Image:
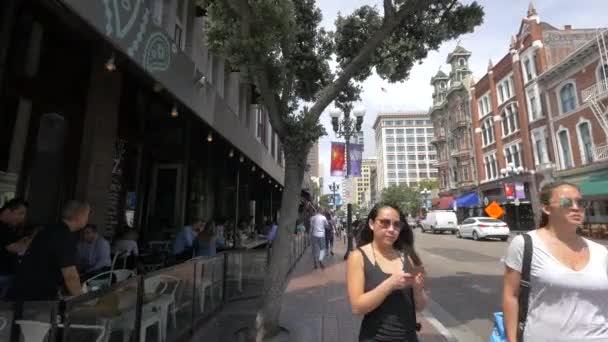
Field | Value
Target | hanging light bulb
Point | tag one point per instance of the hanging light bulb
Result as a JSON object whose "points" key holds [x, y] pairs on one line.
{"points": [[210, 137], [231, 153], [241, 159], [110, 64], [253, 168], [262, 176], [276, 185], [174, 112], [269, 181]]}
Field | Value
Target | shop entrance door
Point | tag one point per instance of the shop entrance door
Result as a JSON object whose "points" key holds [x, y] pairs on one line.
{"points": [[164, 205]]}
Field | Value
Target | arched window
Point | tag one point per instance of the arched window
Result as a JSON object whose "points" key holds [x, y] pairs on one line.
{"points": [[462, 62], [567, 96], [602, 75], [585, 141]]}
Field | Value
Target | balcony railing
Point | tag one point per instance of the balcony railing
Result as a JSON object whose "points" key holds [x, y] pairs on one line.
{"points": [[460, 152], [600, 87], [600, 152]]}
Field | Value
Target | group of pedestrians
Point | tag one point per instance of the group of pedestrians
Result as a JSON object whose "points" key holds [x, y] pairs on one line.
{"points": [[565, 298]]}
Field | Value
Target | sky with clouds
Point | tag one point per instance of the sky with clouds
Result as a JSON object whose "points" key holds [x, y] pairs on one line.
{"points": [[489, 41]]}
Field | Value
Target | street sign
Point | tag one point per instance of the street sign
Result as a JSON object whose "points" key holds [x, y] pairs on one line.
{"points": [[494, 210]]}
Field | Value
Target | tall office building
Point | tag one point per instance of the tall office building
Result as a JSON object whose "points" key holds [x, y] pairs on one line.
{"points": [[403, 148], [313, 161], [363, 183]]}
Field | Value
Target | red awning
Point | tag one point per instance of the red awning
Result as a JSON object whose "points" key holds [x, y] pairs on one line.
{"points": [[444, 202]]}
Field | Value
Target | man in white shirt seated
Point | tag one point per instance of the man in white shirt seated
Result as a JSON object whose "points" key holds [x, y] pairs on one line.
{"points": [[318, 223]]}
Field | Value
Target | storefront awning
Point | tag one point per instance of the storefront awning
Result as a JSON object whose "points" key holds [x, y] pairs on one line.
{"points": [[469, 200], [595, 186], [444, 202]]}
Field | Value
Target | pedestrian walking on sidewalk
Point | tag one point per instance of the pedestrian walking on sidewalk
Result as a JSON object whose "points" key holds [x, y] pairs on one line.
{"points": [[385, 278], [318, 223], [329, 234], [568, 296]]}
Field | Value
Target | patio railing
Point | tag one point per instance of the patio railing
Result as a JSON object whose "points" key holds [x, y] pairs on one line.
{"points": [[165, 305]]}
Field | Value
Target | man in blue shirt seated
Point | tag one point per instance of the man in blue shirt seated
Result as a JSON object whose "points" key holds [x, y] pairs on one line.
{"points": [[182, 246], [93, 253]]}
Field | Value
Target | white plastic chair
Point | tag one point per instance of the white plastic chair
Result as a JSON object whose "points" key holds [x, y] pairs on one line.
{"points": [[105, 278], [235, 268], [34, 331], [205, 281], [166, 286]]}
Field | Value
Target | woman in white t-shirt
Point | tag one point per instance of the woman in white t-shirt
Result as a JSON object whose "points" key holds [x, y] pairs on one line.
{"points": [[569, 275]]}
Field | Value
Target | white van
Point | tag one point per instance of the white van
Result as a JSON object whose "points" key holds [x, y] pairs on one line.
{"points": [[440, 221]]}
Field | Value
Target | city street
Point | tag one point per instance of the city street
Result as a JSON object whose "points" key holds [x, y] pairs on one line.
{"points": [[464, 281]]}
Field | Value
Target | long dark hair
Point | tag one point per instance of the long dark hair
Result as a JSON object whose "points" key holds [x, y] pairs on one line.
{"points": [[545, 198], [405, 240]]}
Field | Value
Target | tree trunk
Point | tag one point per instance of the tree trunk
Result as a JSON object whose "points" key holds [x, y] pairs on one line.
{"points": [[267, 318]]}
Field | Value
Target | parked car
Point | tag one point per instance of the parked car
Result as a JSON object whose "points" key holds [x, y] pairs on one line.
{"points": [[440, 221], [483, 227]]}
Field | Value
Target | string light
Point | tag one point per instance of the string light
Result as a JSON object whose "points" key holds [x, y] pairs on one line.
{"points": [[210, 137], [174, 112], [231, 153]]}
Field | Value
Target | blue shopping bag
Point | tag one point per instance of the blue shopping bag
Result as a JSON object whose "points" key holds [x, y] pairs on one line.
{"points": [[498, 333]]}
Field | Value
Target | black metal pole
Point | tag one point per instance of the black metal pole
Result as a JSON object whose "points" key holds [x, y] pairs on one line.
{"points": [[349, 206]]}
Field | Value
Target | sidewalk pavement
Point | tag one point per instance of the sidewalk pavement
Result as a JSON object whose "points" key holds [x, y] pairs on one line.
{"points": [[315, 307]]}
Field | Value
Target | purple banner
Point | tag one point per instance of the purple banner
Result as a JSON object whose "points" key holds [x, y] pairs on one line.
{"points": [[520, 192], [356, 154]]}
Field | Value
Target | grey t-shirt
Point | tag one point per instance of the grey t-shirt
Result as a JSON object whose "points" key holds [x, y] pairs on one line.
{"points": [[565, 305]]}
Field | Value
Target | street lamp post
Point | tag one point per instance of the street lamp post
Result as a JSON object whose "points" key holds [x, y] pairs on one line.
{"points": [[334, 188], [509, 173], [347, 128], [425, 194]]}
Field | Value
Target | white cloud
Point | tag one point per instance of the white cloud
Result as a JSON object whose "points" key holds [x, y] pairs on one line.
{"points": [[490, 40]]}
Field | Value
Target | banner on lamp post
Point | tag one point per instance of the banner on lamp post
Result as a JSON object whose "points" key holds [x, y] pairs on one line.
{"points": [[520, 191], [509, 190], [355, 152], [338, 161]]}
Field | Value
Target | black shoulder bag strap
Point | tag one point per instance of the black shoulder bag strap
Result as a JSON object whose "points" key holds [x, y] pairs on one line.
{"points": [[524, 287]]}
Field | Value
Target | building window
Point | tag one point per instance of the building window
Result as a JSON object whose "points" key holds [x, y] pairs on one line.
{"points": [[465, 173], [565, 151], [420, 131], [510, 123], [505, 90], [484, 105], [602, 75], [400, 148], [513, 155], [487, 132], [401, 157], [529, 68], [567, 98], [400, 140], [390, 131], [491, 166], [539, 140], [462, 62], [399, 131], [390, 140], [390, 148], [534, 103], [390, 157], [392, 166], [586, 142]]}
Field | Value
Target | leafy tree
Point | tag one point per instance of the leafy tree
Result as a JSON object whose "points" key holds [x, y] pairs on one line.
{"points": [[429, 184], [407, 198], [280, 46]]}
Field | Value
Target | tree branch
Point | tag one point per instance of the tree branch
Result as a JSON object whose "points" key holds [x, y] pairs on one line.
{"points": [[260, 71], [329, 93], [389, 10]]}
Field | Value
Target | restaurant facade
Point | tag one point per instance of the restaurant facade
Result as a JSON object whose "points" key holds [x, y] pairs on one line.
{"points": [[120, 103]]}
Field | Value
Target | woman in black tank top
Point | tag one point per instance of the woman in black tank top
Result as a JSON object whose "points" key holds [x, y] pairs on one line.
{"points": [[385, 278]]}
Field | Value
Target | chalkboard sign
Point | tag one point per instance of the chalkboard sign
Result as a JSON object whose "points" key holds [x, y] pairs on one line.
{"points": [[115, 211]]}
